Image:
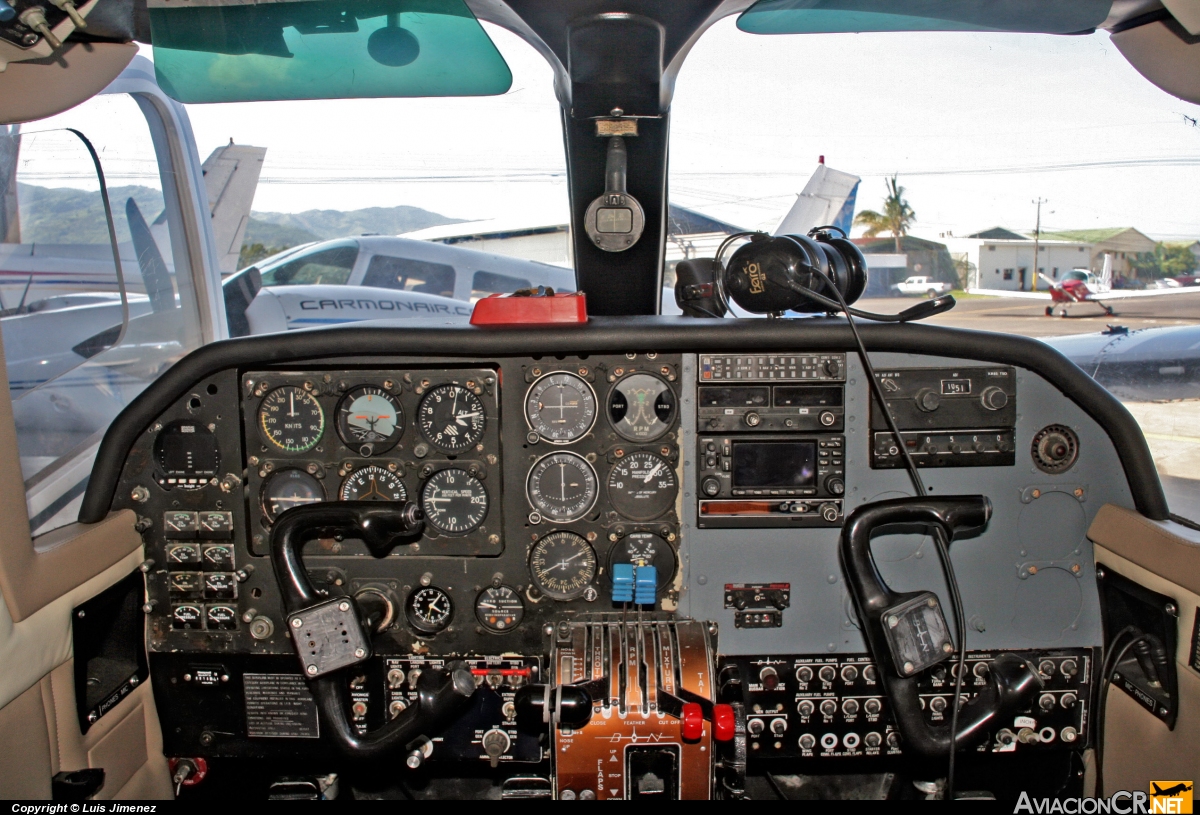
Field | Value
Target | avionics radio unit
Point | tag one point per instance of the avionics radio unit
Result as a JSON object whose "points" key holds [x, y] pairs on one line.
{"points": [[948, 417], [778, 394], [759, 479]]}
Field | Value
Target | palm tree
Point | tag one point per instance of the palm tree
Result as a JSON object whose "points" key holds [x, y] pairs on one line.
{"points": [[897, 215]]}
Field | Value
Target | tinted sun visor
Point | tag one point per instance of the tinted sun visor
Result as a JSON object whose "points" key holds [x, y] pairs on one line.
{"points": [[323, 49], [856, 16]]}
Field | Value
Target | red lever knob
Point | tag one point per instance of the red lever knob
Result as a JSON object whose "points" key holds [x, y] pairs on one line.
{"points": [[693, 721], [723, 724]]}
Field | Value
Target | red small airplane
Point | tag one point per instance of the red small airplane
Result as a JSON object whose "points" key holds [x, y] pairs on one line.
{"points": [[1081, 286]]}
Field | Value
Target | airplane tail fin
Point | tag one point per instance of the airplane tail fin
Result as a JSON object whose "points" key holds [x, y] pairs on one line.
{"points": [[1157, 789], [827, 198], [155, 274], [1106, 272], [230, 178]]}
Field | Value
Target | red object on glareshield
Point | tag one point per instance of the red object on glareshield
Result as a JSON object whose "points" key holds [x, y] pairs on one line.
{"points": [[553, 309]]}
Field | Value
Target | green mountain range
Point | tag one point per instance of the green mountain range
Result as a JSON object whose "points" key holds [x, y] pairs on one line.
{"points": [[71, 215]]}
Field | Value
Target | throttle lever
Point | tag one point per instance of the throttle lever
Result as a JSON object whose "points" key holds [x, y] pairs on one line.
{"points": [[330, 635], [907, 632]]}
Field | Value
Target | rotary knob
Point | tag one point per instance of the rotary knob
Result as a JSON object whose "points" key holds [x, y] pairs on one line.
{"points": [[928, 400], [752, 419], [829, 512], [827, 418], [710, 486], [993, 398], [833, 367], [835, 486]]}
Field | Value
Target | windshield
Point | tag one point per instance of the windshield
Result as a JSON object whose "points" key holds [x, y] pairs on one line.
{"points": [[1062, 210]]}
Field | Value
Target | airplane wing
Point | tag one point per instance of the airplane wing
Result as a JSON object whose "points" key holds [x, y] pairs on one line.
{"points": [[1128, 294], [827, 198], [1025, 295]]}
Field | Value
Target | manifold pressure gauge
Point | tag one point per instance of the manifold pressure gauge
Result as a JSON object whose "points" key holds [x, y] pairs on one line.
{"points": [[562, 565], [561, 407], [562, 487], [369, 420], [429, 609], [642, 486]]}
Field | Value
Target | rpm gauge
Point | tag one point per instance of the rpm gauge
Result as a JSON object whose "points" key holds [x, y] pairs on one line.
{"points": [[369, 420], [562, 565], [289, 488], [561, 407], [562, 487], [499, 608], [642, 486], [646, 549], [641, 407], [429, 609], [291, 418], [373, 483], [454, 501], [451, 418]]}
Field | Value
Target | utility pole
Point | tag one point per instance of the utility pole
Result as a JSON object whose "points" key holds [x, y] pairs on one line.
{"points": [[1037, 239]]}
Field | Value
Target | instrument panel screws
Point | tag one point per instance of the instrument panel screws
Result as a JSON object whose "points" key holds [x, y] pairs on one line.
{"points": [[30, 39], [312, 468], [140, 494], [619, 371], [947, 647], [1075, 568], [388, 385], [493, 540], [1036, 493], [426, 578], [297, 622], [612, 536], [1033, 570], [893, 621], [591, 536], [312, 669], [664, 370], [343, 606], [359, 653], [619, 453], [1100, 573], [908, 667], [1079, 492], [590, 594], [1171, 609], [671, 537], [931, 603], [532, 438], [157, 427], [583, 371]]}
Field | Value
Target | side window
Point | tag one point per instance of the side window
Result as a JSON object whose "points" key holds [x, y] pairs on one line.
{"points": [[410, 275], [485, 283], [330, 266], [86, 325]]}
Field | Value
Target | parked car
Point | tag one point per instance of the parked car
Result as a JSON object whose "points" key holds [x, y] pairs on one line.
{"points": [[920, 285]]}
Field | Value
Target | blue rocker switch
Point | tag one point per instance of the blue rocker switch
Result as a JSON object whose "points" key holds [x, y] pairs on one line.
{"points": [[622, 581]]}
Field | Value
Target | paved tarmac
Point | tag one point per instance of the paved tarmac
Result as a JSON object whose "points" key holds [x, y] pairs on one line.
{"points": [[1028, 317], [1169, 425]]}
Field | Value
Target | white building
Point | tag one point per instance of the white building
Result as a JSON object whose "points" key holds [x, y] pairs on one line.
{"points": [[1002, 259]]}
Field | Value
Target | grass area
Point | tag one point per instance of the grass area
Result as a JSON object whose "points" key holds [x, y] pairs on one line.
{"points": [[960, 294]]}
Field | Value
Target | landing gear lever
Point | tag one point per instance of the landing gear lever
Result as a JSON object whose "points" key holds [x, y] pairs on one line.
{"points": [[907, 632], [332, 635]]}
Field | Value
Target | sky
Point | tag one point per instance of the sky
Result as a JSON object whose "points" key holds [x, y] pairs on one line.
{"points": [[976, 126]]}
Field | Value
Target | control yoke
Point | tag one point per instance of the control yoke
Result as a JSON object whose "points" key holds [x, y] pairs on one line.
{"points": [[332, 635], [907, 632]]}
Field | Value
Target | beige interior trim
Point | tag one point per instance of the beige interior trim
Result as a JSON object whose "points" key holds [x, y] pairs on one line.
{"points": [[35, 646], [25, 756], [40, 88], [1168, 549], [1163, 58], [1138, 748]]}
